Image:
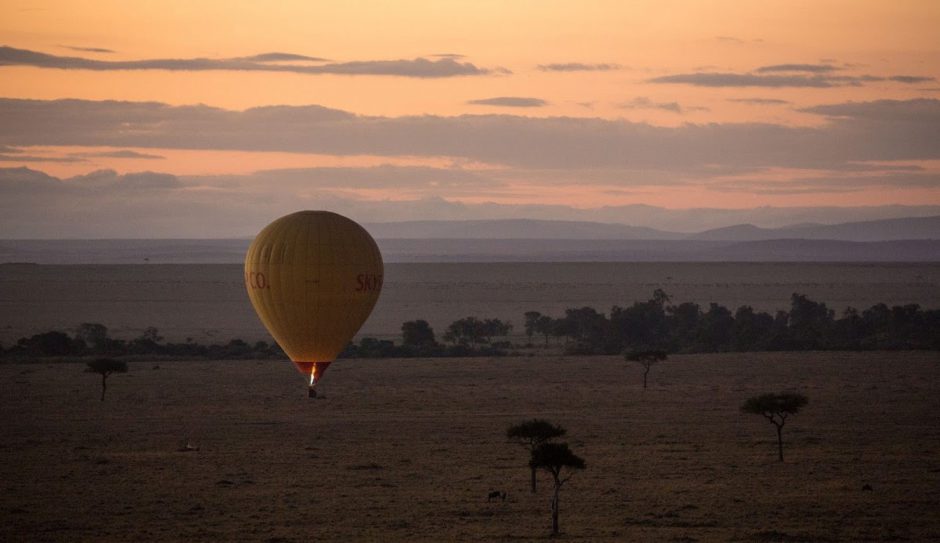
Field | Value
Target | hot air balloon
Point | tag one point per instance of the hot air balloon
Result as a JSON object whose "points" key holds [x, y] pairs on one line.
{"points": [[313, 277]]}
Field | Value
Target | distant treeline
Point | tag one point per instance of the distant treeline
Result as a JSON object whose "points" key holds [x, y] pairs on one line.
{"points": [[92, 339], [653, 325], [469, 337], [688, 328]]}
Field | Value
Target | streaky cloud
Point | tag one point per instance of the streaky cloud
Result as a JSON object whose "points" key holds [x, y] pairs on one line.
{"points": [[911, 79], [121, 153], [279, 57], [777, 80], [154, 205], [642, 102], [728, 79], [417, 67], [760, 101], [862, 131], [809, 68], [20, 157], [577, 67], [88, 49], [509, 101], [919, 110]]}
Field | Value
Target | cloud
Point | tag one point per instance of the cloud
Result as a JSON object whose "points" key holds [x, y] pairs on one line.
{"points": [[717, 79], [759, 101], [122, 153], [280, 57], [863, 131], [32, 158], [110, 179], [920, 111], [910, 79], [790, 79], [106, 204], [509, 101], [15, 154], [87, 49], [418, 67], [642, 102], [453, 181], [809, 68], [577, 67], [832, 184]]}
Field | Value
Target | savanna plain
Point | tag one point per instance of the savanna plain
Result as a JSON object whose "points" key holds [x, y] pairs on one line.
{"points": [[408, 450]]}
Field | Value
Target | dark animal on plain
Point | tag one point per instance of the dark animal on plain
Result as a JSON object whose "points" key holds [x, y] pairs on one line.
{"points": [[868, 488], [496, 495]]}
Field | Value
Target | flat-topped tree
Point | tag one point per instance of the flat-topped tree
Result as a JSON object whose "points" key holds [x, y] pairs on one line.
{"points": [[105, 367], [531, 434], [646, 359], [776, 408], [553, 458]]}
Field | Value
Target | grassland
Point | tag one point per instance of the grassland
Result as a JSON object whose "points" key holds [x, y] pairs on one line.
{"points": [[407, 450]]}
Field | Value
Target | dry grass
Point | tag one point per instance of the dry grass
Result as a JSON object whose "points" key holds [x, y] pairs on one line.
{"points": [[407, 451]]}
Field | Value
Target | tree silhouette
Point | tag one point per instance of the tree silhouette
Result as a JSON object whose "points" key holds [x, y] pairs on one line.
{"points": [[417, 334], [554, 458], [94, 335], [105, 367], [531, 323], [646, 359], [775, 408], [531, 434]]}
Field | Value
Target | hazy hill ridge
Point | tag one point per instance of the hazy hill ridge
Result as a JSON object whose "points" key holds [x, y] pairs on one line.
{"points": [[881, 230], [514, 229], [525, 240], [912, 228]]}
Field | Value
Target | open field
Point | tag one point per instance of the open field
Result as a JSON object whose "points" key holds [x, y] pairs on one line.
{"points": [[406, 450], [208, 302]]}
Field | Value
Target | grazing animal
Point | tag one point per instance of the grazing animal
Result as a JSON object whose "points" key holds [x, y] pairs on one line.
{"points": [[868, 488], [496, 495]]}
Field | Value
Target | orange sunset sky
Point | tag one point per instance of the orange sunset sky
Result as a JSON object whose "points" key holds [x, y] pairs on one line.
{"points": [[677, 104]]}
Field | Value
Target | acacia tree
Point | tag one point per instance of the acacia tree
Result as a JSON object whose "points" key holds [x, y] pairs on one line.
{"points": [[646, 359], [554, 458], [776, 408], [531, 434], [105, 367]]}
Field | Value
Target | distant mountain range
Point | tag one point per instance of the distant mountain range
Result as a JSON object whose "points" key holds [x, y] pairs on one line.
{"points": [[525, 240], [514, 229], [913, 228]]}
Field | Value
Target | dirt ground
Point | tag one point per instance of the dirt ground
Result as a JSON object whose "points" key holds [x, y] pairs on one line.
{"points": [[407, 450]]}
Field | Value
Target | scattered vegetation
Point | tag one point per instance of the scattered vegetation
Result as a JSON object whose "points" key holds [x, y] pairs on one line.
{"points": [[554, 458], [646, 359], [473, 331], [656, 324], [531, 434], [653, 326], [105, 367], [776, 408]]}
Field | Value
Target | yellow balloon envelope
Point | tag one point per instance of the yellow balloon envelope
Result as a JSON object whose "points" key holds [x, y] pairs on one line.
{"points": [[313, 277]]}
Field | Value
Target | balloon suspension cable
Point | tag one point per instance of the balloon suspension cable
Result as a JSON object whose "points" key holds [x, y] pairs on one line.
{"points": [[311, 391]]}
